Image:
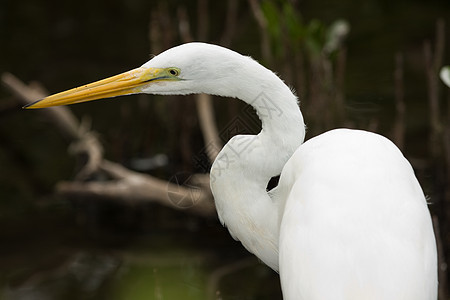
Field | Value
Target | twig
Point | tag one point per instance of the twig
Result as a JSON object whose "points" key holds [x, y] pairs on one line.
{"points": [[154, 33], [202, 20], [82, 140], [261, 20], [184, 27], [341, 64], [230, 23], [60, 116], [205, 111], [442, 265], [205, 108], [433, 62], [400, 108], [433, 99], [132, 187]]}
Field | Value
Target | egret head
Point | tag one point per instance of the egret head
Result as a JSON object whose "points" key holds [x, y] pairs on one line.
{"points": [[186, 69]]}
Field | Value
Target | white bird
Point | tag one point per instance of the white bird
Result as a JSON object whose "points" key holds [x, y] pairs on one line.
{"points": [[348, 219]]}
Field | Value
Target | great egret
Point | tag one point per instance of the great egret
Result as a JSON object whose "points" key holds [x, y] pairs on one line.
{"points": [[348, 219]]}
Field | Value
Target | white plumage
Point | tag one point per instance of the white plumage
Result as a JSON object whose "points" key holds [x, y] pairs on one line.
{"points": [[348, 219], [360, 221]]}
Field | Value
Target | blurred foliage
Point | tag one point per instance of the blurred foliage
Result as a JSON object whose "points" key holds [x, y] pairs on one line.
{"points": [[285, 18]]}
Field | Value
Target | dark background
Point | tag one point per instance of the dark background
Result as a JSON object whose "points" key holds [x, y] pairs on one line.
{"points": [[53, 248]]}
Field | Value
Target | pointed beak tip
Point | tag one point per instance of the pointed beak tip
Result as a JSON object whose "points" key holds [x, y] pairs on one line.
{"points": [[30, 105]]}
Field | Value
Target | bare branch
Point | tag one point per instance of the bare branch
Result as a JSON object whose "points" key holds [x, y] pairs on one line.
{"points": [[442, 265], [60, 116], [400, 107], [341, 64], [202, 20], [261, 20], [208, 126], [230, 23], [433, 62], [184, 26], [205, 108], [132, 188]]}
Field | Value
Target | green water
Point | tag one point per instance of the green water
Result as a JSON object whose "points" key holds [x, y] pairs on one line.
{"points": [[48, 256]]}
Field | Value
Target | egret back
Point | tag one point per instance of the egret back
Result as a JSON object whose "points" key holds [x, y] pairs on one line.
{"points": [[355, 223]]}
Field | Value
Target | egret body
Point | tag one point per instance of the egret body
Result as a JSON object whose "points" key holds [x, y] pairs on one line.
{"points": [[348, 219]]}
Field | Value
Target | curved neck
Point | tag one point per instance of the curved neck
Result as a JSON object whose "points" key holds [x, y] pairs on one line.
{"points": [[243, 168]]}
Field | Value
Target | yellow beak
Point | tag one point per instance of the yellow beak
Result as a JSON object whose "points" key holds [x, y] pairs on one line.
{"points": [[130, 82]]}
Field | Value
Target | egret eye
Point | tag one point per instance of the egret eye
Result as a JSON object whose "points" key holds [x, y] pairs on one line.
{"points": [[174, 72]]}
